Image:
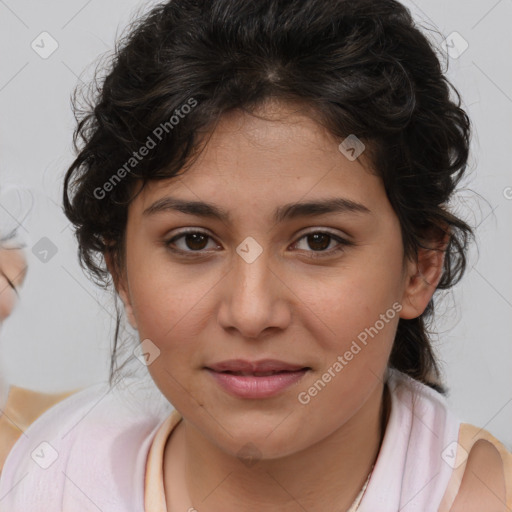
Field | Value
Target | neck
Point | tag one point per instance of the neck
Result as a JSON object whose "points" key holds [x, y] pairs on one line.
{"points": [[326, 476]]}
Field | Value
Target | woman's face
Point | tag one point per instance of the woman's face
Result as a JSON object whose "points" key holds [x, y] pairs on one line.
{"points": [[270, 280]]}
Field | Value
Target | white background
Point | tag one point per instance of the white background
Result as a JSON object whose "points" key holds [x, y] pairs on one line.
{"points": [[59, 336]]}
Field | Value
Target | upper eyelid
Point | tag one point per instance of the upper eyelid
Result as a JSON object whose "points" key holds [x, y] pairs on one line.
{"points": [[310, 230]]}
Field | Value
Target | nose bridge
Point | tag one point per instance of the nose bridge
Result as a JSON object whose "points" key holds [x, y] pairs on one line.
{"points": [[252, 301], [251, 271]]}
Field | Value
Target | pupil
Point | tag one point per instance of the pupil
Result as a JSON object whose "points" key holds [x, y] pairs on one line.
{"points": [[195, 237], [316, 237]]}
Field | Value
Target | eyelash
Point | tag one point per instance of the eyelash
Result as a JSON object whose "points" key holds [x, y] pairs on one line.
{"points": [[342, 243]]}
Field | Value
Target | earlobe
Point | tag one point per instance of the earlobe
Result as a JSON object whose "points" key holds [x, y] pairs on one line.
{"points": [[423, 276], [122, 289]]}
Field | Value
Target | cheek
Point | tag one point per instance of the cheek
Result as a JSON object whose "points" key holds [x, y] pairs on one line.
{"points": [[356, 315], [169, 308], [157, 289], [350, 300], [169, 303], [362, 320]]}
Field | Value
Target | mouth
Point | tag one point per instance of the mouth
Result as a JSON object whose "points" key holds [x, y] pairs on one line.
{"points": [[256, 384], [262, 374], [261, 367]]}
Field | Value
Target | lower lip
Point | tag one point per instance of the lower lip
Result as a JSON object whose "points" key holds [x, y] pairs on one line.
{"points": [[250, 386]]}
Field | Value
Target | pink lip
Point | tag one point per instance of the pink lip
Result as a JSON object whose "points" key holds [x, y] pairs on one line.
{"points": [[246, 383]]}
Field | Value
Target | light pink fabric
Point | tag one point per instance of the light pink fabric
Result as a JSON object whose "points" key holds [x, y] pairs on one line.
{"points": [[410, 474], [103, 440]]}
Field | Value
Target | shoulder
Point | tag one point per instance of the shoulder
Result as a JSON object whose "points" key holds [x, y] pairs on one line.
{"points": [[482, 473], [90, 448], [479, 465], [464, 468], [22, 408]]}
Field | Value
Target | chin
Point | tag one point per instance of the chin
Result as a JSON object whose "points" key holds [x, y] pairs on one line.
{"points": [[258, 444]]}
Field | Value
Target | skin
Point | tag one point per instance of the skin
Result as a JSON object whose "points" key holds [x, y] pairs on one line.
{"points": [[479, 481], [285, 305], [483, 484], [13, 269]]}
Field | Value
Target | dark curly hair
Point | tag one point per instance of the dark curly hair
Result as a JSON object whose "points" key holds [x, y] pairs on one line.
{"points": [[359, 66]]}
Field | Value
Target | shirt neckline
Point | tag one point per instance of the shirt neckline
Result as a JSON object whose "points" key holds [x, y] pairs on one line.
{"points": [[154, 492]]}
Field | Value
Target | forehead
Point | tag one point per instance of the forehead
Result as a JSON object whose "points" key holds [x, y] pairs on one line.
{"points": [[277, 154]]}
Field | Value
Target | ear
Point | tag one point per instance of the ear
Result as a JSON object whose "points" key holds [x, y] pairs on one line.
{"points": [[121, 286], [423, 276]]}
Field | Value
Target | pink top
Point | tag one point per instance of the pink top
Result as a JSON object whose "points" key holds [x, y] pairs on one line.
{"points": [[103, 450], [154, 500]]}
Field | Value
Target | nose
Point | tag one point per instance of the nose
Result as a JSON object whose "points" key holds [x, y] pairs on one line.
{"points": [[255, 298]]}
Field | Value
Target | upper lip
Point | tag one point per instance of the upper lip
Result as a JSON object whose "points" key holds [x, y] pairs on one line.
{"points": [[264, 365]]}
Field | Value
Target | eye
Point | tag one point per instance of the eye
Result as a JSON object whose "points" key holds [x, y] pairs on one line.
{"points": [[193, 241], [189, 242], [319, 241]]}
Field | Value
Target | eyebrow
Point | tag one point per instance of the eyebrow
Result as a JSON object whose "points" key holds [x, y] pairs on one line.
{"points": [[285, 212]]}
